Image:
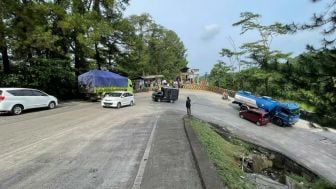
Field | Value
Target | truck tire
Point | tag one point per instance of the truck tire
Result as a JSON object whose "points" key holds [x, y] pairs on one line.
{"points": [[243, 107]]}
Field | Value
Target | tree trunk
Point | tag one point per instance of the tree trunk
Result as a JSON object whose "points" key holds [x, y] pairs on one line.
{"points": [[5, 59], [78, 64], [97, 56]]}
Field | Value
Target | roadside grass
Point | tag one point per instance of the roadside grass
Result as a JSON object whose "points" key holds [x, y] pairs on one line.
{"points": [[223, 154], [318, 184]]}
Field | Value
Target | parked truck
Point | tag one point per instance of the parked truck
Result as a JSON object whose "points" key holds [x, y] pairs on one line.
{"points": [[95, 83], [279, 113]]}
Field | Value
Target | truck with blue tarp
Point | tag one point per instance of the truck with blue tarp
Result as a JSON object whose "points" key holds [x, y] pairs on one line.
{"points": [[95, 83], [280, 113]]}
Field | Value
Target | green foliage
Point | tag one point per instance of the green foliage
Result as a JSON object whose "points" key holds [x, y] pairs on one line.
{"points": [[317, 184], [55, 77], [259, 52], [37, 37], [323, 184], [223, 154], [154, 49], [308, 79], [219, 75], [324, 20]]}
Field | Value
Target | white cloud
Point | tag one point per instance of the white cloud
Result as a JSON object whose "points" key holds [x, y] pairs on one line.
{"points": [[210, 31]]}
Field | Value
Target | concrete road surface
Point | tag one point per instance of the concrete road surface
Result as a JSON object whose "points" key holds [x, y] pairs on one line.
{"points": [[81, 145]]}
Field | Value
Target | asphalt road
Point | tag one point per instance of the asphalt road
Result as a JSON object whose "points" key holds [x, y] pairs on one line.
{"points": [[313, 148], [81, 145]]}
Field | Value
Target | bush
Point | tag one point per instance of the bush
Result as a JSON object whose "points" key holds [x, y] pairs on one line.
{"points": [[55, 77]]}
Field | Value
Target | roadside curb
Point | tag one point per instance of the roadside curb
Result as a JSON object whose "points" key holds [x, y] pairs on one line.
{"points": [[204, 166]]}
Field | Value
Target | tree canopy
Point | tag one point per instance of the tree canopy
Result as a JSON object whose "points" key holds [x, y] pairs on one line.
{"points": [[37, 36], [309, 79]]}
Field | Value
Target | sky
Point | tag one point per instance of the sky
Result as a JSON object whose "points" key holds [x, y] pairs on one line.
{"points": [[205, 27]]}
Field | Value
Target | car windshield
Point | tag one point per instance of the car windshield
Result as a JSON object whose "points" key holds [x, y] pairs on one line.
{"points": [[114, 94], [294, 111], [266, 116]]}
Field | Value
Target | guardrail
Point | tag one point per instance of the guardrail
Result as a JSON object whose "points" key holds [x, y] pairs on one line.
{"points": [[218, 90]]}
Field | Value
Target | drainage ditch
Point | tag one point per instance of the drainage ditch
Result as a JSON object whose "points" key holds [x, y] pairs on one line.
{"points": [[267, 168]]}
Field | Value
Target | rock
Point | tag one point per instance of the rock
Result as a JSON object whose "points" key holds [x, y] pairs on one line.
{"points": [[260, 163], [271, 156]]}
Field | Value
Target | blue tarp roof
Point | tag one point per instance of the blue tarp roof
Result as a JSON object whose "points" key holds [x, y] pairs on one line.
{"points": [[99, 78]]}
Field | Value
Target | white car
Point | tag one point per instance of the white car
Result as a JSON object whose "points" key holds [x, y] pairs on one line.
{"points": [[15, 100], [118, 99]]}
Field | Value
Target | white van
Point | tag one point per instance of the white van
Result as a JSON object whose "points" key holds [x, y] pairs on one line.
{"points": [[15, 100], [118, 99]]}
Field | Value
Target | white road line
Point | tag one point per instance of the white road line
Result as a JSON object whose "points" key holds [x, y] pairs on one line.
{"points": [[141, 171]]}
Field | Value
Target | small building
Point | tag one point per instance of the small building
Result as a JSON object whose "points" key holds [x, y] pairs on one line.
{"points": [[145, 83], [189, 76], [152, 80], [138, 83]]}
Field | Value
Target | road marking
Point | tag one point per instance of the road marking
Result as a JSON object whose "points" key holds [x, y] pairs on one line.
{"points": [[141, 171]]}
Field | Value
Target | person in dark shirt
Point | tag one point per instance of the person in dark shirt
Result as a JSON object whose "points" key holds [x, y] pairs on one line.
{"points": [[188, 105]]}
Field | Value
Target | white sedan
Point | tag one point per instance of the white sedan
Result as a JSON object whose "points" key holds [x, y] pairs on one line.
{"points": [[118, 99]]}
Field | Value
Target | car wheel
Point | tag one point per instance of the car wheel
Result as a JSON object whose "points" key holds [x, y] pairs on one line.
{"points": [[279, 122], [159, 100], [131, 104], [171, 101], [119, 105], [52, 105], [241, 116], [258, 123], [17, 110]]}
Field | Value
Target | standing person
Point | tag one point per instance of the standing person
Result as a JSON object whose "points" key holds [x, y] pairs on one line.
{"points": [[188, 105]]}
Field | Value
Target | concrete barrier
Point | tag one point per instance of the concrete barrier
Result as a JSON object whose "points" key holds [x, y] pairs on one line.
{"points": [[214, 89]]}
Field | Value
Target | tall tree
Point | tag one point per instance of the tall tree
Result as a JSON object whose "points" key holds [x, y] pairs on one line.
{"points": [[219, 75], [155, 49], [325, 20], [260, 51], [4, 14]]}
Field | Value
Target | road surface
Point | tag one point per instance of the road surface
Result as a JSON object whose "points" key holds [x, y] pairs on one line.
{"points": [[81, 145]]}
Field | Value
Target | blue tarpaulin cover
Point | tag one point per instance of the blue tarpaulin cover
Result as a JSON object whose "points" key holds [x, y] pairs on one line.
{"points": [[100, 78]]}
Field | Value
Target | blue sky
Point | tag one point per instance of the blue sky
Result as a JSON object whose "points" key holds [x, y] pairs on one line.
{"points": [[206, 26]]}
